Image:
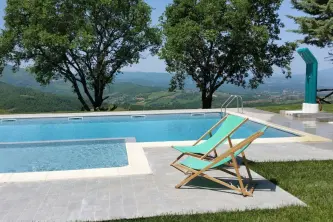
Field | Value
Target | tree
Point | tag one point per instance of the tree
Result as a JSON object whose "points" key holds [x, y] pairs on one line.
{"points": [[223, 41], [84, 42], [317, 26]]}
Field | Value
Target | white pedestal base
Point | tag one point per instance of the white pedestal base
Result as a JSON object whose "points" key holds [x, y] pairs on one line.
{"points": [[310, 108]]}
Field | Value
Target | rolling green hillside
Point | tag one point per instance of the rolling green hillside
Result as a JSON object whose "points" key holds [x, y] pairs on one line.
{"points": [[126, 96], [276, 84], [24, 100], [127, 93], [135, 97], [24, 79]]}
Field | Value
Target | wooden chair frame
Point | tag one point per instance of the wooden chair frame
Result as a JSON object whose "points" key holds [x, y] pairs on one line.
{"points": [[246, 190]]}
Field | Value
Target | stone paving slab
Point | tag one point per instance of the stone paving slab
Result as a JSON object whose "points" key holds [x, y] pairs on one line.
{"points": [[290, 152], [306, 125], [325, 146], [132, 196]]}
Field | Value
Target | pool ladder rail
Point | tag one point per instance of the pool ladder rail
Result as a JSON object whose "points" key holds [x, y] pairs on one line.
{"points": [[232, 98]]}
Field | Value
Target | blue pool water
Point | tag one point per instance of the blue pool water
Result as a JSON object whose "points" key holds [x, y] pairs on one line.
{"points": [[151, 128], [56, 156]]}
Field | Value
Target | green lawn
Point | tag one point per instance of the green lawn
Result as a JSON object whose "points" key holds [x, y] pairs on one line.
{"points": [[310, 181], [277, 108]]}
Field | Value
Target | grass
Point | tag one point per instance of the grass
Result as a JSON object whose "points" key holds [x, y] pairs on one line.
{"points": [[277, 108], [2, 111], [310, 181]]}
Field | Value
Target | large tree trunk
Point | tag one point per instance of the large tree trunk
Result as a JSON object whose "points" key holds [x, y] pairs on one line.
{"points": [[80, 97], [98, 102], [206, 100], [98, 94], [84, 104]]}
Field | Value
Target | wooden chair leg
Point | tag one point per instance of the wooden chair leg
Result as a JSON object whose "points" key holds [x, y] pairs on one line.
{"points": [[195, 174], [188, 179], [215, 152], [239, 177], [230, 164], [179, 167], [200, 173], [221, 182], [246, 163], [178, 158]]}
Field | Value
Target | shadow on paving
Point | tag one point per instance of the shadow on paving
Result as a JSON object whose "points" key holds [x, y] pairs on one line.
{"points": [[205, 184]]}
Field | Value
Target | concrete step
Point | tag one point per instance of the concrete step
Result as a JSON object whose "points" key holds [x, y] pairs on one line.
{"points": [[320, 117]]}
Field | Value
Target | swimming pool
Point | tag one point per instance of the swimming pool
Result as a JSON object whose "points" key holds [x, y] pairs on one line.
{"points": [[145, 128], [60, 156]]}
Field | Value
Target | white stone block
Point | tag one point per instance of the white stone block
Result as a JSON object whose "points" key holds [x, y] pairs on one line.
{"points": [[310, 108]]}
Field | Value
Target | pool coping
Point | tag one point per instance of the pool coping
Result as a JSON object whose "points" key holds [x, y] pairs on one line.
{"points": [[138, 163]]}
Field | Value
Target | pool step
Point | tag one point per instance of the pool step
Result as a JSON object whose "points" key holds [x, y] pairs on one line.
{"points": [[138, 116], [8, 120], [198, 114], [75, 118]]}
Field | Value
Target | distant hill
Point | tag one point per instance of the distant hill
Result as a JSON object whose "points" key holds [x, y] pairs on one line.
{"points": [[24, 79], [126, 95], [276, 83], [24, 100], [160, 81]]}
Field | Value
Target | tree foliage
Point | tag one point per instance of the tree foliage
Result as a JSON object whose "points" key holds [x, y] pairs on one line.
{"points": [[84, 42], [317, 25], [223, 41]]}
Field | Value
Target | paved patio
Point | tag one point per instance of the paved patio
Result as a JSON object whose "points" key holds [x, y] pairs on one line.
{"points": [[289, 152], [309, 125], [149, 195], [132, 196]]}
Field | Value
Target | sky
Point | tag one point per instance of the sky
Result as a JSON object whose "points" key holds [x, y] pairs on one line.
{"points": [[153, 64]]}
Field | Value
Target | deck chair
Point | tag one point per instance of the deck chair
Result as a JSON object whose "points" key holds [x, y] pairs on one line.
{"points": [[229, 124], [196, 166]]}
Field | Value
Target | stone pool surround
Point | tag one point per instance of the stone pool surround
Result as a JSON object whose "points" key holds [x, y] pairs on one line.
{"points": [[138, 163]]}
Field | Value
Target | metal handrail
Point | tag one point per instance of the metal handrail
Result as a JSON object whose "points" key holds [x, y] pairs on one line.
{"points": [[230, 99]]}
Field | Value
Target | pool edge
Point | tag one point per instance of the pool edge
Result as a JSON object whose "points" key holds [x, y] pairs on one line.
{"points": [[137, 165], [302, 136]]}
